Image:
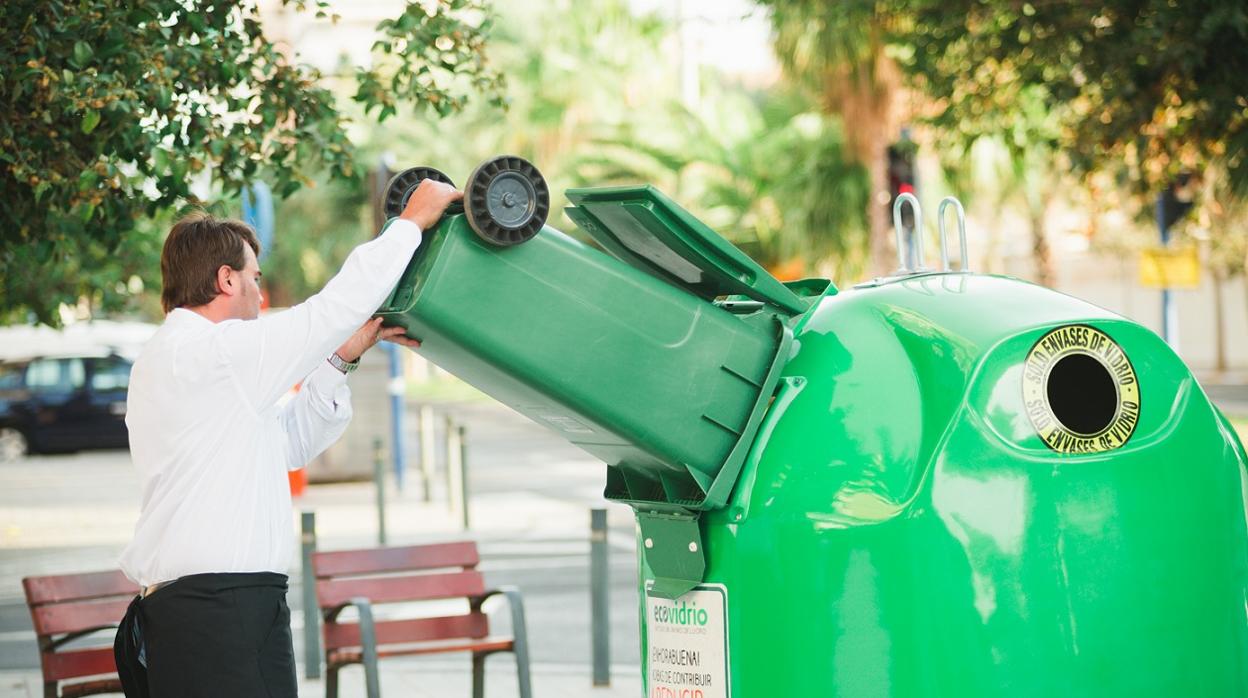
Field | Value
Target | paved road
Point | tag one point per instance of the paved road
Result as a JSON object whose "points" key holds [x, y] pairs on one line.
{"points": [[531, 496]]}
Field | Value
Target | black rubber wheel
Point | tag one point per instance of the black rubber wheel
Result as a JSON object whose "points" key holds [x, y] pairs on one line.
{"points": [[506, 200], [401, 186]]}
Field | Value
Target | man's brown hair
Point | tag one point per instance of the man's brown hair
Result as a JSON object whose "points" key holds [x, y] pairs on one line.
{"points": [[197, 246]]}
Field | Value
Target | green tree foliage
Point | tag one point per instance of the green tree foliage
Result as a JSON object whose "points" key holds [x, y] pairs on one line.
{"points": [[1150, 87], [839, 50], [565, 80], [773, 176], [1014, 164], [594, 99], [1141, 89], [575, 72], [116, 113], [568, 82]]}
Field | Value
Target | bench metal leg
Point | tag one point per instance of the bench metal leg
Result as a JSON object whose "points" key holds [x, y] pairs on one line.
{"points": [[368, 642], [522, 669], [331, 682], [478, 675], [520, 635]]}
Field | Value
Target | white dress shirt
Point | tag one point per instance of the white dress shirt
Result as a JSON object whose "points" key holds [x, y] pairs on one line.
{"points": [[209, 439]]}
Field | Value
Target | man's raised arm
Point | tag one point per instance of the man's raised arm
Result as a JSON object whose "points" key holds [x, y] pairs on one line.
{"points": [[273, 353]]}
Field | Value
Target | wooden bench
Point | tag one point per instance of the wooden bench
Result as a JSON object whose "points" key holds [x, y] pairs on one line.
{"points": [[364, 579], [70, 606]]}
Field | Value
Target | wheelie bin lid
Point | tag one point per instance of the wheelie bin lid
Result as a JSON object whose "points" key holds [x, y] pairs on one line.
{"points": [[642, 227]]}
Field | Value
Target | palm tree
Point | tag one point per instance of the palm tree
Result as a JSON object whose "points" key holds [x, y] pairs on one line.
{"points": [[838, 50], [773, 177]]}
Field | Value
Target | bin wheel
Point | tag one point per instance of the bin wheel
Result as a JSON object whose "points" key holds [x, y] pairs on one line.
{"points": [[506, 200], [400, 187]]}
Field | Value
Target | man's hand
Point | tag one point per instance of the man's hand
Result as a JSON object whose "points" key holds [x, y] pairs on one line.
{"points": [[428, 202], [367, 337]]}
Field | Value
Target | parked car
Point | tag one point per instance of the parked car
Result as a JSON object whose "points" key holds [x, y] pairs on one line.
{"points": [[62, 403]]}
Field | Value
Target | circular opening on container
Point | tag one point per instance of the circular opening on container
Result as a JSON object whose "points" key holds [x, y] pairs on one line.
{"points": [[1082, 394]]}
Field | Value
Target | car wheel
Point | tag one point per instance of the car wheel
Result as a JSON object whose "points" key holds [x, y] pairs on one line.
{"points": [[13, 444]]}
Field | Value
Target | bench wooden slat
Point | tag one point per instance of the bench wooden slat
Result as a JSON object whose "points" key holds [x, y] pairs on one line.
{"points": [[71, 664], [414, 557], [77, 587], [472, 625], [54, 619], [90, 688], [338, 658], [410, 574], [335, 592]]}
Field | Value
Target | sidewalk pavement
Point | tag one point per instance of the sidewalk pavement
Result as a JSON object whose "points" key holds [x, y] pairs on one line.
{"points": [[530, 517], [507, 526], [428, 678]]}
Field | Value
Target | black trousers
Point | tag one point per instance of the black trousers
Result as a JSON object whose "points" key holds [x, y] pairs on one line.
{"points": [[209, 635]]}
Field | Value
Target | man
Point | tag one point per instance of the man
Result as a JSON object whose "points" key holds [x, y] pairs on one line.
{"points": [[212, 446]]}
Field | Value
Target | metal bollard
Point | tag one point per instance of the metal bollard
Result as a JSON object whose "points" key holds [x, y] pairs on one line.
{"points": [[379, 479], [599, 615], [463, 476], [397, 389], [311, 614], [455, 472], [427, 453]]}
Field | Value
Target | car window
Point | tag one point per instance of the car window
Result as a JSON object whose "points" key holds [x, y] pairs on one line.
{"points": [[110, 374], [55, 375], [11, 376]]}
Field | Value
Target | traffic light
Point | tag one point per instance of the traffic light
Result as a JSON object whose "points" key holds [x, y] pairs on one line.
{"points": [[901, 175]]}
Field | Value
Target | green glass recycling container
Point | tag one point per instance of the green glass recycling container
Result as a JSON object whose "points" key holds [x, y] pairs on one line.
{"points": [[931, 485]]}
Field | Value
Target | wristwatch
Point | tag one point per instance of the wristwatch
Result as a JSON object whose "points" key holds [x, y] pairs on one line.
{"points": [[344, 366]]}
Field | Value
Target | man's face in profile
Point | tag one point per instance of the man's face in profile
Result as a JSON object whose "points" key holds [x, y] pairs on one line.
{"points": [[249, 295]]}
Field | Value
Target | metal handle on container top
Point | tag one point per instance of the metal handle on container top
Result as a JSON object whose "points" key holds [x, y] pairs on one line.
{"points": [[944, 245], [918, 231]]}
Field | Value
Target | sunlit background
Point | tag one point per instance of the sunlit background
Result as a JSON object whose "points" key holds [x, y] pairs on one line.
{"points": [[694, 97]]}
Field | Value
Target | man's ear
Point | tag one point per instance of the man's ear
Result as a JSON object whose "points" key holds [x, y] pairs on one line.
{"points": [[225, 280]]}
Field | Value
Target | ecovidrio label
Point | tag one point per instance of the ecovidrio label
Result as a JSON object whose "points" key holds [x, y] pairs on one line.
{"points": [[687, 644]]}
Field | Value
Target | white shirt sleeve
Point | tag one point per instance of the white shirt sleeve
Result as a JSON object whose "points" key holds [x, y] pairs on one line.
{"points": [[269, 355], [317, 416]]}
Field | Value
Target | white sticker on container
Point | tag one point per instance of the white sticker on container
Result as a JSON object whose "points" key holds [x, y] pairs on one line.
{"points": [[687, 644], [562, 422]]}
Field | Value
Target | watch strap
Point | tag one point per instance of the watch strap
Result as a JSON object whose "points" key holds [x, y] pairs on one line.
{"points": [[342, 365]]}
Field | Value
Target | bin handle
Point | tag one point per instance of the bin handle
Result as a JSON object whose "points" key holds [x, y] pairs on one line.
{"points": [[918, 231], [960, 213]]}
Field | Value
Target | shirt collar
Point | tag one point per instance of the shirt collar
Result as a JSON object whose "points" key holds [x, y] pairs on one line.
{"points": [[182, 316]]}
